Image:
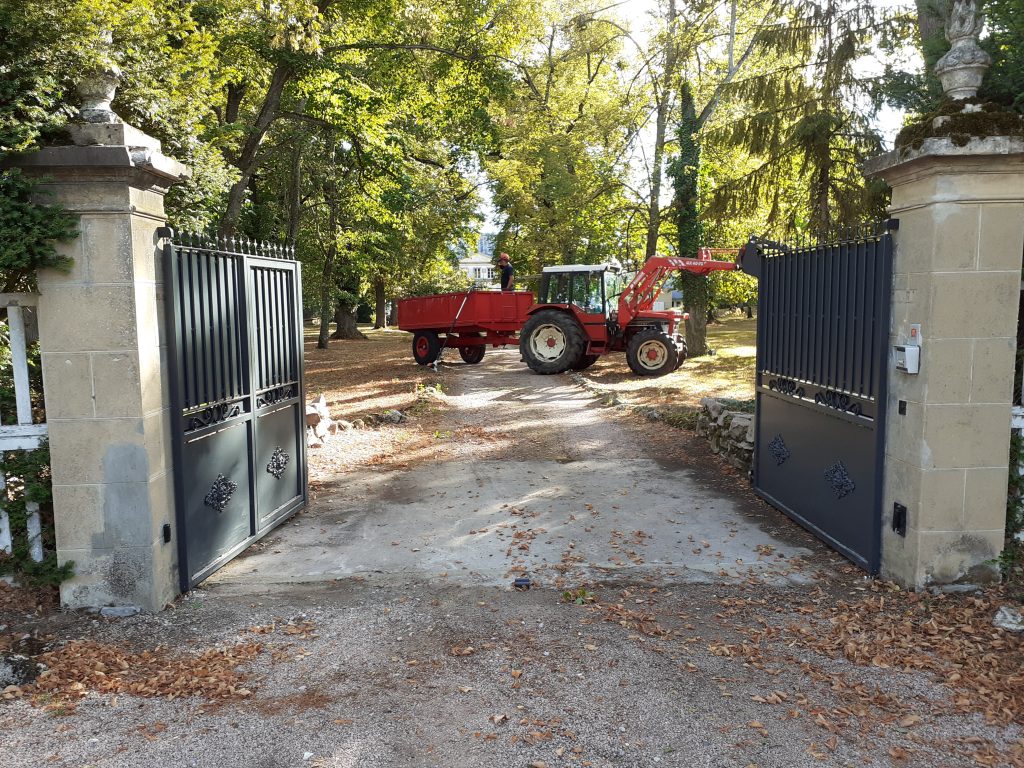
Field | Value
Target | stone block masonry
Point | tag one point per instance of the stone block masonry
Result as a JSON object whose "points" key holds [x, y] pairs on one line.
{"points": [[730, 432], [103, 351], [956, 273]]}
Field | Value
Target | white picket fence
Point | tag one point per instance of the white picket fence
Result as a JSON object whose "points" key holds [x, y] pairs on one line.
{"points": [[25, 435]]}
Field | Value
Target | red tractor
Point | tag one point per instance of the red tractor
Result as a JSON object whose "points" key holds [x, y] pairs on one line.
{"points": [[577, 319], [582, 312]]}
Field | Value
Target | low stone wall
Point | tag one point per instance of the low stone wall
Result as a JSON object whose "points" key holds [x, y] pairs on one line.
{"points": [[730, 432]]}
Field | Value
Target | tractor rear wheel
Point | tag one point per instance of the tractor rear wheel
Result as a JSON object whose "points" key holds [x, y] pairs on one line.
{"points": [[552, 341], [426, 346], [585, 362], [652, 353]]}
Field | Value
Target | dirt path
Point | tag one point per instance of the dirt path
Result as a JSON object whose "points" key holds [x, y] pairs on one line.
{"points": [[673, 619], [527, 475]]}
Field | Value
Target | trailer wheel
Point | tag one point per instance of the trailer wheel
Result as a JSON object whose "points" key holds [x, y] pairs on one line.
{"points": [[472, 355], [426, 346], [652, 353], [552, 341], [585, 362]]}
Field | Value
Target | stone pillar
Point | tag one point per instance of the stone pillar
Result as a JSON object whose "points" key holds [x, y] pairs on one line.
{"points": [[957, 273], [104, 367]]}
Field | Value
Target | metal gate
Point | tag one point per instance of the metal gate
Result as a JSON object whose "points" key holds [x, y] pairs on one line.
{"points": [[822, 351], [235, 351]]}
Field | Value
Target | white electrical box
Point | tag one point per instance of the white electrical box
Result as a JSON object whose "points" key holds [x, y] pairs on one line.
{"points": [[908, 359]]}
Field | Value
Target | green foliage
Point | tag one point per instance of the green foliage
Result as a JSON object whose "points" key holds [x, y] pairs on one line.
{"points": [[31, 87], [1015, 487], [731, 289], [566, 128], [1004, 82], [27, 476], [28, 480], [799, 121], [991, 120], [28, 230], [684, 171], [580, 596]]}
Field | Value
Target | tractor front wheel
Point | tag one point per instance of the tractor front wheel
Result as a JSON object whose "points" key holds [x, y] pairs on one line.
{"points": [[682, 355], [426, 346], [552, 341], [652, 353]]}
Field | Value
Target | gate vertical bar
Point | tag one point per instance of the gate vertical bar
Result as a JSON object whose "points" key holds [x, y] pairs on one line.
{"points": [[173, 278]]}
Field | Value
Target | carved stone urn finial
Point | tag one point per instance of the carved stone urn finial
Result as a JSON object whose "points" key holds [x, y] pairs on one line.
{"points": [[963, 66], [97, 88]]}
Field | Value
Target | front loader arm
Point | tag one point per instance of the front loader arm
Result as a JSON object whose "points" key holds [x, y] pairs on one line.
{"points": [[645, 287]]}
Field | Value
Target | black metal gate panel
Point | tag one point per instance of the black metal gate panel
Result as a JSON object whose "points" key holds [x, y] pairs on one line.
{"points": [[238, 418], [822, 351]]}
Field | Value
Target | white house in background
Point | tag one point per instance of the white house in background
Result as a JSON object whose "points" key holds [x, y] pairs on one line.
{"points": [[479, 265]]}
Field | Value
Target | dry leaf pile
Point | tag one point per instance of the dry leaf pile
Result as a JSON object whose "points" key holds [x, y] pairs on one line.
{"points": [[637, 621], [83, 666], [951, 637]]}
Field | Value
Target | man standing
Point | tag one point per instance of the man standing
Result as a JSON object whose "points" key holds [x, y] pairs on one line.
{"points": [[506, 273]]}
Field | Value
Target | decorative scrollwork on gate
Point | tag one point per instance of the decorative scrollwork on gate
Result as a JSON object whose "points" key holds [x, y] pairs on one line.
{"points": [[277, 395], [786, 387], [840, 480], [838, 401], [220, 493], [278, 463], [214, 414], [778, 448]]}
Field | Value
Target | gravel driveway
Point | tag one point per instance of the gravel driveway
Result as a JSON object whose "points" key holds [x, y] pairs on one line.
{"points": [[672, 618]]}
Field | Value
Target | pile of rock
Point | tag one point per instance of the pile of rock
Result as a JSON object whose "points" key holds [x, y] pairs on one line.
{"points": [[730, 432], [319, 424]]}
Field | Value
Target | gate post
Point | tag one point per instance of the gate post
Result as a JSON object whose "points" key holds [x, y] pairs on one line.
{"points": [[105, 377], [956, 273]]}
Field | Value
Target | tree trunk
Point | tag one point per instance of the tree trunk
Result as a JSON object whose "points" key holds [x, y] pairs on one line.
{"points": [[654, 206], [345, 317], [295, 184], [931, 22], [697, 303], [750, 311], [327, 278], [380, 318], [393, 317], [697, 324], [246, 163], [664, 104]]}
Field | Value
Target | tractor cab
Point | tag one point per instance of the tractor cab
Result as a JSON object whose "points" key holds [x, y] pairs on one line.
{"points": [[584, 311], [592, 288]]}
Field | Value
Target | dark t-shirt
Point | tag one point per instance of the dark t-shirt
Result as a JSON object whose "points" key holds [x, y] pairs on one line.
{"points": [[506, 277]]}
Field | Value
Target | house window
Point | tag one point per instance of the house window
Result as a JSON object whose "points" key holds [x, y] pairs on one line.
{"points": [[490, 274], [677, 303], [476, 272]]}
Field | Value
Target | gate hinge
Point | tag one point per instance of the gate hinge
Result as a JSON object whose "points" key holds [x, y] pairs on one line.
{"points": [[891, 225], [165, 233]]}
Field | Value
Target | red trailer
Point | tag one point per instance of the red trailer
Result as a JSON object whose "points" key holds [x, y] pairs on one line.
{"points": [[468, 321]]}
